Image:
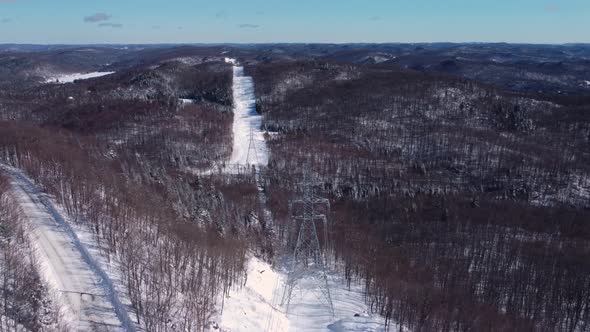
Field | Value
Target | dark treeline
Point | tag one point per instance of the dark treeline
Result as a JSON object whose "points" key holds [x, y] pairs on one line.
{"points": [[460, 207], [440, 263]]}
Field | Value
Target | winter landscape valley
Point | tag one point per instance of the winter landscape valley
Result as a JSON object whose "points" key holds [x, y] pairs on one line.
{"points": [[293, 170]]}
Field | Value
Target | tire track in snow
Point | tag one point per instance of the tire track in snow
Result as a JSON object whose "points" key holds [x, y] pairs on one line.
{"points": [[86, 288]]}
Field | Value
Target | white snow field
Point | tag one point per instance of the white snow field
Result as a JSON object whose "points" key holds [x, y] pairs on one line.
{"points": [[249, 147], [70, 78], [84, 289], [257, 306]]}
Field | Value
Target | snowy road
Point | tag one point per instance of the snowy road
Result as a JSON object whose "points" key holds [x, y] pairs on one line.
{"points": [[83, 287]]}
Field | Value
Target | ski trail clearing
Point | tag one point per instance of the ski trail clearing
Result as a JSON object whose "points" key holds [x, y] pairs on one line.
{"points": [[249, 147], [83, 287]]}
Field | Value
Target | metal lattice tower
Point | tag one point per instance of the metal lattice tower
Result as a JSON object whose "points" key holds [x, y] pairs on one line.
{"points": [[251, 148], [308, 260]]}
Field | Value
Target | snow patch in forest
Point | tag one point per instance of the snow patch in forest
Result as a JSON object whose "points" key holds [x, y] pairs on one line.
{"points": [[188, 60], [70, 78], [256, 306], [185, 101], [232, 61]]}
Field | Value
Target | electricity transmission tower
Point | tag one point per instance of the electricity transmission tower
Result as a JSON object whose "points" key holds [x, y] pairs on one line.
{"points": [[308, 261], [251, 148]]}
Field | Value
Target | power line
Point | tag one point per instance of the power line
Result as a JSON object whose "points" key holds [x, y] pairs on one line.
{"points": [[308, 260]]}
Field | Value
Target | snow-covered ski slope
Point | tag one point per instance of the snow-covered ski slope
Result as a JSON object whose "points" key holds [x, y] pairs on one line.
{"points": [[69, 78], [85, 289], [257, 306], [249, 147]]}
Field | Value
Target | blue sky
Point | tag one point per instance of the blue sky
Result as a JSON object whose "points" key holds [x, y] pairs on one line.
{"points": [[256, 21]]}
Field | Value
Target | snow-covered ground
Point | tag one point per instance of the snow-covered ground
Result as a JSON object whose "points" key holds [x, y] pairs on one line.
{"points": [[69, 78], [249, 146], [257, 306], [67, 265], [185, 101], [232, 61]]}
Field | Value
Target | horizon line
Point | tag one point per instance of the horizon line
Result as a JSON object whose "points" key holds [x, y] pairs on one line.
{"points": [[293, 43]]}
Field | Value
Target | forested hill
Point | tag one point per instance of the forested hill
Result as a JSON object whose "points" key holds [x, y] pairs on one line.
{"points": [[458, 176]]}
